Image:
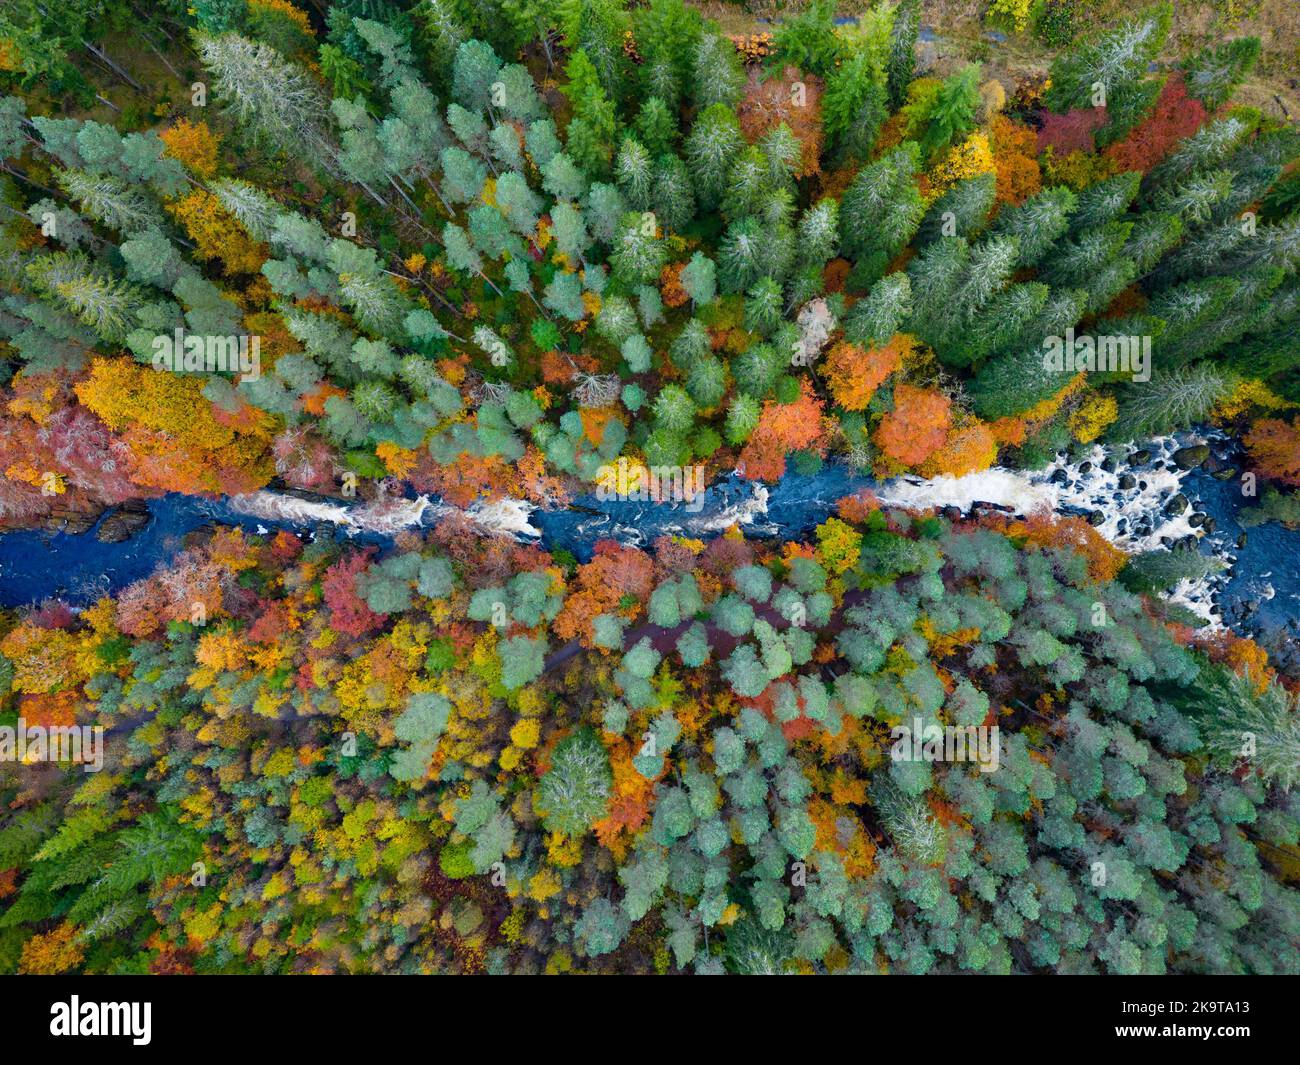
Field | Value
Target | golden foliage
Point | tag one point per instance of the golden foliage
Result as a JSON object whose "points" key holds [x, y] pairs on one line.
{"points": [[194, 145], [1091, 417], [217, 234]]}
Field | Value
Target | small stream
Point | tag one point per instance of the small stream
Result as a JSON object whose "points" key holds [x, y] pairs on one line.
{"points": [[1129, 503]]}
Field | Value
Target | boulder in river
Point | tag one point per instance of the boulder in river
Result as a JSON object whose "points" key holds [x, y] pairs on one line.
{"points": [[72, 522], [123, 523], [1225, 474], [1188, 458], [1127, 480], [1176, 505], [1140, 458]]}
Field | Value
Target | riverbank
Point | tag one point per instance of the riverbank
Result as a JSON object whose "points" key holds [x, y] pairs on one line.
{"points": [[1142, 498]]}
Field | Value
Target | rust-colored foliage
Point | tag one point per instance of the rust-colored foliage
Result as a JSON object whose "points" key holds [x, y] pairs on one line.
{"points": [[783, 428], [52, 952], [172, 429], [858, 507], [1072, 131], [217, 234], [1015, 148], [614, 571], [1240, 654], [469, 479], [793, 98], [304, 459], [1105, 560], [854, 375], [56, 454], [670, 285], [968, 449], [349, 613], [916, 427], [1175, 116], [1274, 445], [195, 587]]}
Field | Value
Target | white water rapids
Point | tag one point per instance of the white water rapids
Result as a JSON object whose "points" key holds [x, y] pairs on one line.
{"points": [[1135, 518]]}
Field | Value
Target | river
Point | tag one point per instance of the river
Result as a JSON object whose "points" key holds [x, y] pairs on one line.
{"points": [[1260, 589]]}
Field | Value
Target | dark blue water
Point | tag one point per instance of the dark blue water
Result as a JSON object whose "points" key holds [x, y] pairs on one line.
{"points": [[1267, 570], [38, 565]]}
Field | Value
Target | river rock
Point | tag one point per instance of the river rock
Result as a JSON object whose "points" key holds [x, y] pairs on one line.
{"points": [[1210, 525], [123, 523], [1241, 540], [1097, 517], [1197, 520], [72, 522], [1225, 474], [1140, 458], [1188, 458], [1127, 480], [1176, 505]]}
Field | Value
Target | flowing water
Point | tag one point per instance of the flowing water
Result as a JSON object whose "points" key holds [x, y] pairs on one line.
{"points": [[1261, 586]]}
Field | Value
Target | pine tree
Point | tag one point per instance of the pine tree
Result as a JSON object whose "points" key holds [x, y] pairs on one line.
{"points": [[638, 255], [901, 67], [667, 34], [656, 126], [711, 147], [475, 69], [673, 194], [562, 179], [881, 209], [962, 211], [699, 279], [634, 173], [270, 96], [1106, 201], [1172, 398], [873, 321], [716, 75], [1038, 223], [1213, 73], [1115, 63], [590, 136]]}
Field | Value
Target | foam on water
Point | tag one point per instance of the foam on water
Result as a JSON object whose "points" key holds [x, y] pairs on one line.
{"points": [[744, 512], [505, 517]]}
